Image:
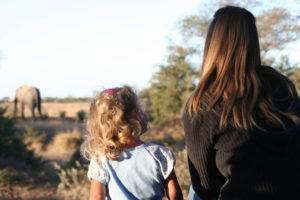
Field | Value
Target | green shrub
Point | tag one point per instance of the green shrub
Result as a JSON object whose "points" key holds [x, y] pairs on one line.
{"points": [[31, 132], [62, 114], [66, 99], [80, 115], [74, 183], [4, 178], [32, 135], [181, 169], [11, 113], [45, 116], [15, 160]]}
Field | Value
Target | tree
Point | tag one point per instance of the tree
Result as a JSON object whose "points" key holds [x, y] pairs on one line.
{"points": [[291, 71], [277, 27], [171, 85], [145, 100], [174, 82]]}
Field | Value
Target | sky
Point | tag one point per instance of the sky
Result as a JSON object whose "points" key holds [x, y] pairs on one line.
{"points": [[75, 47]]}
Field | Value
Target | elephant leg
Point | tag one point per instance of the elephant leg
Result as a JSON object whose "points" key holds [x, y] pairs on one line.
{"points": [[39, 109], [16, 108], [22, 110], [32, 112]]}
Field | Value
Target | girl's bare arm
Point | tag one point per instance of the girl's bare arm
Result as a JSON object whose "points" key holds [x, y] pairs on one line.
{"points": [[172, 187], [97, 191]]}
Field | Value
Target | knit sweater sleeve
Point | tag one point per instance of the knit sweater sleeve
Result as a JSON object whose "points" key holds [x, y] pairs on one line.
{"points": [[199, 134]]}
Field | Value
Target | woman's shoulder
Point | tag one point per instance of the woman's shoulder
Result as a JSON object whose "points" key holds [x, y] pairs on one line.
{"points": [[272, 75], [279, 85], [210, 118]]}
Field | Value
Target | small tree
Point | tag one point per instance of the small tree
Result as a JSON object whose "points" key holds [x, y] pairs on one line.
{"points": [[174, 81], [276, 26], [171, 86], [80, 115], [291, 71]]}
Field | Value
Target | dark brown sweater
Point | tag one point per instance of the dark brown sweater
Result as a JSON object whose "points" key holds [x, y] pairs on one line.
{"points": [[233, 164]]}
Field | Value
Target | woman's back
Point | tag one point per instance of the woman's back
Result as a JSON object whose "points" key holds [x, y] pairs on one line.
{"points": [[234, 163]]}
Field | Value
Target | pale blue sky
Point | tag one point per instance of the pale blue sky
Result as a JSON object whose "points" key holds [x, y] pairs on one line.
{"points": [[74, 47]]}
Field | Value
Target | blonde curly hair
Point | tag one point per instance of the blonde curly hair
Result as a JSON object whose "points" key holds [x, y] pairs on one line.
{"points": [[115, 116]]}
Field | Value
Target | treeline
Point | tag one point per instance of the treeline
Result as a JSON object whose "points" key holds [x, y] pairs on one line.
{"points": [[65, 100], [177, 76], [55, 99]]}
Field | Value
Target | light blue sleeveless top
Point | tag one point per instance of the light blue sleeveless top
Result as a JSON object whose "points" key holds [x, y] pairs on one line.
{"points": [[138, 173]]}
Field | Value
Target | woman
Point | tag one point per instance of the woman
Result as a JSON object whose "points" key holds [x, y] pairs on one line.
{"points": [[242, 121]]}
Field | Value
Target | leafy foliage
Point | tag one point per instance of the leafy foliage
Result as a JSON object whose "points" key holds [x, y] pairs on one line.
{"points": [[80, 115], [171, 85], [32, 135], [11, 146], [62, 114], [66, 99], [4, 177], [16, 162], [174, 81], [291, 71], [72, 180], [277, 27]]}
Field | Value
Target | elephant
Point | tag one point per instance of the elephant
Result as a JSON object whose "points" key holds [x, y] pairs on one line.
{"points": [[28, 96]]}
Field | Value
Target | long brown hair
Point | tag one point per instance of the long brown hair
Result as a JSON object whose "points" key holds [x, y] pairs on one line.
{"points": [[230, 71]]}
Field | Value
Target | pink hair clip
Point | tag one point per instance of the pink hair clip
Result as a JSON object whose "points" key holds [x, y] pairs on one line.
{"points": [[110, 91]]}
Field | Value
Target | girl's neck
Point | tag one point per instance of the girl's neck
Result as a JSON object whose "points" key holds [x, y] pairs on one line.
{"points": [[133, 142]]}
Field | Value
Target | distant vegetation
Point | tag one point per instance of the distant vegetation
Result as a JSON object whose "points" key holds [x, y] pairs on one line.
{"points": [[164, 100], [177, 76], [17, 163], [55, 99], [5, 99], [65, 100]]}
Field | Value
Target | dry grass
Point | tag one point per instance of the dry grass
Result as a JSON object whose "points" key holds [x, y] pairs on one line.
{"points": [[71, 109], [52, 109], [64, 137], [62, 146]]}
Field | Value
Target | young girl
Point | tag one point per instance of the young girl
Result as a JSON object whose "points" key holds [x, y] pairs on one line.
{"points": [[122, 166]]}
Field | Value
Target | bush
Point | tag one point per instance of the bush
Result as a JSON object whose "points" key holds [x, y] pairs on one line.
{"points": [[4, 178], [66, 99], [182, 171], [63, 145], [74, 183], [80, 115], [62, 114], [32, 137], [30, 132], [45, 116], [66, 141], [11, 114], [15, 160]]}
